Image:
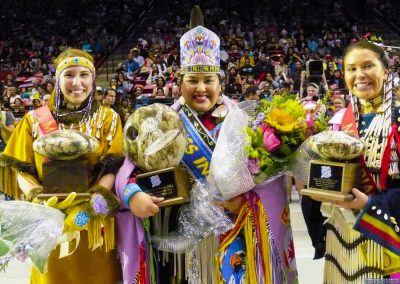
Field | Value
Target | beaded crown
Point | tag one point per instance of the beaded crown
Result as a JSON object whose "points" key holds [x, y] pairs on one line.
{"points": [[200, 51]]}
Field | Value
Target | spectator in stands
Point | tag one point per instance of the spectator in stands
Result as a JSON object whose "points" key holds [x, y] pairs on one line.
{"points": [[175, 89], [330, 72], [161, 65], [265, 93], [18, 107], [338, 81], [127, 115], [294, 77], [247, 68], [322, 49], [36, 103], [113, 83], [24, 94], [132, 65], [161, 84], [98, 96], [246, 60], [125, 107], [12, 95], [264, 66], [251, 94], [121, 79], [137, 57], [7, 126], [41, 92], [47, 75], [173, 57], [49, 86], [109, 97], [337, 49], [281, 67], [159, 93], [153, 75]]}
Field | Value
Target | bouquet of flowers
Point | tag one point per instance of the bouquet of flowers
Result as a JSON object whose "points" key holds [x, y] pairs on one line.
{"points": [[259, 142], [276, 132], [28, 230]]}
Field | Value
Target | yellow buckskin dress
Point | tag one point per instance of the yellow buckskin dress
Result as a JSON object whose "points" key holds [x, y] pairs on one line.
{"points": [[85, 265]]}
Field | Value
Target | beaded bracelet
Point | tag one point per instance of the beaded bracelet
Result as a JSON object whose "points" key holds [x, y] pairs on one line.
{"points": [[130, 190]]}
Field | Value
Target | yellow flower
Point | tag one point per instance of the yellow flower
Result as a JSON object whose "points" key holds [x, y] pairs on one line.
{"points": [[281, 120]]}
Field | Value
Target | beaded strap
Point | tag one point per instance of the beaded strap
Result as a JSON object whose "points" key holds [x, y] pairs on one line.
{"points": [[129, 191]]}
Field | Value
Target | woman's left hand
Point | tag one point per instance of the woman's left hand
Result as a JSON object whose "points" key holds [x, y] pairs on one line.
{"points": [[359, 201]]}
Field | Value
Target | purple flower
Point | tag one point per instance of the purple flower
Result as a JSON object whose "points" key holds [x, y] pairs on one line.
{"points": [[254, 166], [99, 204], [259, 119], [271, 142]]}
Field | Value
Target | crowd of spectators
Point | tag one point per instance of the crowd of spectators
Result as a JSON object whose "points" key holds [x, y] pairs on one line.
{"points": [[33, 33], [269, 45], [389, 9], [267, 48]]}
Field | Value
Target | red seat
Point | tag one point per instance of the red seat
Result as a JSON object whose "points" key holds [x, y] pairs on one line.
{"points": [[148, 88]]}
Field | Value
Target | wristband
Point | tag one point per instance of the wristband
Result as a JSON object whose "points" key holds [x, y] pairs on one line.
{"points": [[130, 190]]}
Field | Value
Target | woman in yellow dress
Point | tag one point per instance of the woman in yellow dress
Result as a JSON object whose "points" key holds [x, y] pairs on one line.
{"points": [[72, 106]]}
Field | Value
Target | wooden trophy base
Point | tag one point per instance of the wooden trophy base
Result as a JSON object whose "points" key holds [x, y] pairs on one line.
{"points": [[60, 178], [332, 180], [327, 194], [172, 183]]}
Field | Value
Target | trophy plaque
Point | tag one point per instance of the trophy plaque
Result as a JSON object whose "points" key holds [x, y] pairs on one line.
{"points": [[334, 175], [66, 169], [172, 183], [62, 177]]}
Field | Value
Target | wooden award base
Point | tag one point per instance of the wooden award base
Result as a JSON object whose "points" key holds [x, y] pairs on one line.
{"points": [[332, 180], [172, 183], [327, 194], [60, 178]]}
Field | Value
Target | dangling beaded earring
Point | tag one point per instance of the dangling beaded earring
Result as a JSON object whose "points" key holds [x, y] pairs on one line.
{"points": [[220, 100]]}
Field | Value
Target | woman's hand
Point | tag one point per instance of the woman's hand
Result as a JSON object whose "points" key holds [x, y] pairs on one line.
{"points": [[232, 205], [359, 201], [144, 205]]}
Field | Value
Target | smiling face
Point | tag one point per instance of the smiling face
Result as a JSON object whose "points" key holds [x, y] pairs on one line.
{"points": [[364, 73], [201, 90], [76, 84], [312, 91]]}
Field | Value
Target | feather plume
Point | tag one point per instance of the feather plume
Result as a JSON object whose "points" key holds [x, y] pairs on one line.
{"points": [[196, 17]]}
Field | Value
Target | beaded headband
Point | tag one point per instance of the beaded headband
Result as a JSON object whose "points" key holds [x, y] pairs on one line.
{"points": [[75, 61]]}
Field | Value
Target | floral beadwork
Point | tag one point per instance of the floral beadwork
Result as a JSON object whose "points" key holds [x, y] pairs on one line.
{"points": [[99, 205], [82, 218]]}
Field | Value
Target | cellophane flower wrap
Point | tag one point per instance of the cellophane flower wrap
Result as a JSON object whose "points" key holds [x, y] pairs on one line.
{"points": [[28, 230], [259, 142]]}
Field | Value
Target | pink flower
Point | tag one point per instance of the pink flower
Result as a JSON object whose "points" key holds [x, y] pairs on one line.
{"points": [[310, 124], [263, 127], [271, 142], [310, 121], [254, 166]]}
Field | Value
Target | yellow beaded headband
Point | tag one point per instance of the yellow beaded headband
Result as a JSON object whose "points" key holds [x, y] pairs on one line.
{"points": [[75, 61]]}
